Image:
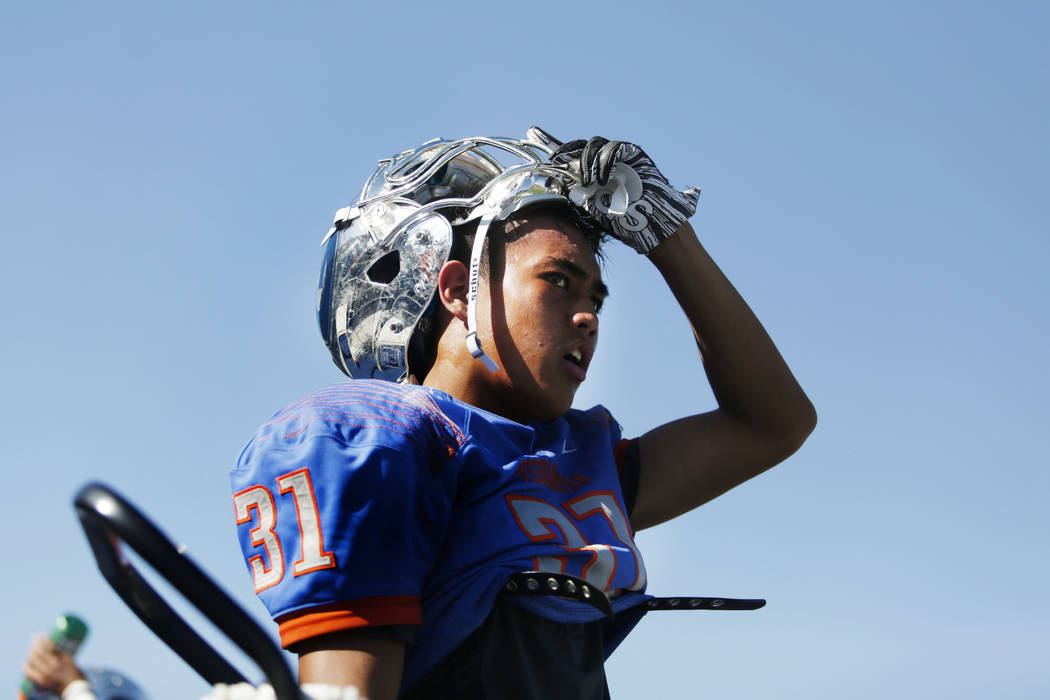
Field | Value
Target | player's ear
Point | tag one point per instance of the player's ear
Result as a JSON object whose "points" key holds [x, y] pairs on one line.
{"points": [[452, 287]]}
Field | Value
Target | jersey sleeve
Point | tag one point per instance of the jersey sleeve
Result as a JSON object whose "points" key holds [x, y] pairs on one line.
{"points": [[341, 504], [625, 454], [628, 466]]}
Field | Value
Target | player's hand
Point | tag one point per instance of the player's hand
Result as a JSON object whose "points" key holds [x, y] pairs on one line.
{"points": [[50, 668], [624, 191], [247, 691]]}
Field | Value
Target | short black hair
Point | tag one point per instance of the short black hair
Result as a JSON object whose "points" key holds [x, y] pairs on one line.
{"points": [[504, 232]]}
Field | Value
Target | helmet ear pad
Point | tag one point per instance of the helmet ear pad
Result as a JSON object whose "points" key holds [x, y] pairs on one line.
{"points": [[386, 268], [375, 287]]}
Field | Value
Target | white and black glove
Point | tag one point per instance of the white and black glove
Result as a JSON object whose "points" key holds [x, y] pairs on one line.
{"points": [[247, 691], [621, 189]]}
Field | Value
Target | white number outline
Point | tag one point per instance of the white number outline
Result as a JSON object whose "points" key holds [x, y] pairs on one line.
{"points": [[312, 556], [312, 553], [598, 503], [542, 521], [259, 498]]}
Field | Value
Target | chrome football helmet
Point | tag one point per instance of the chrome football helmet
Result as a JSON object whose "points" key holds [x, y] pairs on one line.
{"points": [[383, 254]]}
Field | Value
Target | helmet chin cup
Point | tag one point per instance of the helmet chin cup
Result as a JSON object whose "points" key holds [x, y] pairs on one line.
{"points": [[383, 254]]}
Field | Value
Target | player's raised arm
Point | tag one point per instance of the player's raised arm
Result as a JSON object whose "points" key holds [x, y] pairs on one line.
{"points": [[763, 415]]}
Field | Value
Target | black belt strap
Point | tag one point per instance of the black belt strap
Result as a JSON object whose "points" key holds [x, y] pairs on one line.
{"points": [[562, 585], [531, 583], [705, 603]]}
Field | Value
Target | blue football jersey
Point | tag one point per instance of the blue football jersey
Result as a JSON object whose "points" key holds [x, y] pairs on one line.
{"points": [[372, 503]]}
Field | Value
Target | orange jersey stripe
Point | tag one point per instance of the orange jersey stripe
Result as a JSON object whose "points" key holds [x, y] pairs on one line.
{"points": [[336, 617]]}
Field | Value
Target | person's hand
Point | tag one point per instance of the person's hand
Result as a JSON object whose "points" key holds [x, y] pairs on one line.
{"points": [[622, 189], [49, 668], [247, 691]]}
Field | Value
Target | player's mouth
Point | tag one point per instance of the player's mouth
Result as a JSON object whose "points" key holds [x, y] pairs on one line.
{"points": [[576, 362]]}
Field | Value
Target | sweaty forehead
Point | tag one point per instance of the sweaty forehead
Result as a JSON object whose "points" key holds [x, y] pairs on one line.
{"points": [[545, 240], [546, 235]]}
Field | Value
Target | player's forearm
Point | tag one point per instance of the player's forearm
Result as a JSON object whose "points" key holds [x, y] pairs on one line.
{"points": [[749, 377], [373, 666]]}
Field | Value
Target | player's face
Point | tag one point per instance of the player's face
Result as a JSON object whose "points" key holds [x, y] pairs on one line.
{"points": [[543, 310]]}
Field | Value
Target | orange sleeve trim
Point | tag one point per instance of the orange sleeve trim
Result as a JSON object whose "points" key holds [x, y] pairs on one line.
{"points": [[619, 452], [336, 617]]}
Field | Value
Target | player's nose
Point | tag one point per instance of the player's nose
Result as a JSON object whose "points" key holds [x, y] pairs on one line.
{"points": [[586, 320]]}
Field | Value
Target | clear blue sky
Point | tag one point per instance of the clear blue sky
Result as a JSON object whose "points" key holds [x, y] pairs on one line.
{"points": [[874, 182]]}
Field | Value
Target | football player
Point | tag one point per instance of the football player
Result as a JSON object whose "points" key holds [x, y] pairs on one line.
{"points": [[386, 520]]}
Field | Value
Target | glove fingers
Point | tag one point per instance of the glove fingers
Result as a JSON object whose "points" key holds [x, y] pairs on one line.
{"points": [[608, 156], [568, 152], [542, 138], [589, 157]]}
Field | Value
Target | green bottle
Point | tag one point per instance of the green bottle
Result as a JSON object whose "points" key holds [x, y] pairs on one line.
{"points": [[68, 634]]}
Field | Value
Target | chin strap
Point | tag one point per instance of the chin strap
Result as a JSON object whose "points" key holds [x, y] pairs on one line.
{"points": [[473, 344]]}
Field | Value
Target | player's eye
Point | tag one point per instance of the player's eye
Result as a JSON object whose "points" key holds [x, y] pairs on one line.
{"points": [[598, 302], [557, 279]]}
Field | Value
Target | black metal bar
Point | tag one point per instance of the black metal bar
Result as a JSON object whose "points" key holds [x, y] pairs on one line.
{"points": [[108, 519]]}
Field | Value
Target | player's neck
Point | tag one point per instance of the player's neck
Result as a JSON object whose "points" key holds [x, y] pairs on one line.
{"points": [[465, 378], [456, 375]]}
